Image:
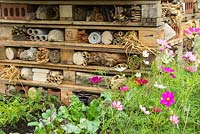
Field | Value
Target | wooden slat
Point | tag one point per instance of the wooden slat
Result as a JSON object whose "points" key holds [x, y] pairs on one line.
{"points": [[65, 45], [83, 2], [77, 24], [49, 85], [109, 70]]}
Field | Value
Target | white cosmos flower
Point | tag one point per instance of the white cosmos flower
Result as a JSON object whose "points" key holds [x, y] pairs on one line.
{"points": [[146, 62], [159, 86], [143, 109], [145, 54], [138, 75]]}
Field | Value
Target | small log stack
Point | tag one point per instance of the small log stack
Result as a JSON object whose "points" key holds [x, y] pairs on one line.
{"points": [[98, 58]]}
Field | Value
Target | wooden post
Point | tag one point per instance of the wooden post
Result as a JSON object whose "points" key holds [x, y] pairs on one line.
{"points": [[66, 12], [2, 53], [6, 33], [66, 56], [3, 88], [69, 76], [65, 96], [71, 35]]}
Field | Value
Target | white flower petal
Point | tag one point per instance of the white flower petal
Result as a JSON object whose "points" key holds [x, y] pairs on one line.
{"points": [[146, 62], [146, 112], [138, 75], [145, 54]]}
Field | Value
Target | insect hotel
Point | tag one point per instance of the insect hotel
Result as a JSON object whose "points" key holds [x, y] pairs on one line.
{"points": [[68, 47]]}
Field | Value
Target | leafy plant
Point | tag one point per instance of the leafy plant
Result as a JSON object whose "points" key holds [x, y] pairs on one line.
{"points": [[77, 118], [16, 108]]}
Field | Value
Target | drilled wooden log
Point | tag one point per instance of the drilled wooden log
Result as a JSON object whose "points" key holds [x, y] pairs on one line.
{"points": [[56, 35], [54, 56], [79, 59], [107, 37], [26, 73], [11, 53]]}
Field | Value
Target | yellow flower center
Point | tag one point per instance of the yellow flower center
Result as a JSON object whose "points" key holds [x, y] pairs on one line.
{"points": [[168, 99]]}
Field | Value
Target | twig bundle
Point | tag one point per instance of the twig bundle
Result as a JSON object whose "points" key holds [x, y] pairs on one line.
{"points": [[11, 73], [42, 55]]}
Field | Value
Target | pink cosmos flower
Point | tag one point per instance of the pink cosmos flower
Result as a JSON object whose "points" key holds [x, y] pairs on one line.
{"points": [[174, 119], [163, 43], [168, 70], [117, 105], [191, 69], [124, 88], [192, 30], [141, 81], [167, 98], [95, 79], [189, 56], [172, 75], [162, 49]]}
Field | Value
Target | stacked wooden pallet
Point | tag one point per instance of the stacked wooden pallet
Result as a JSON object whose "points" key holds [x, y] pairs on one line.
{"points": [[76, 45]]}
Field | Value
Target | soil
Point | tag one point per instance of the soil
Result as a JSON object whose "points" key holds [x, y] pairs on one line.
{"points": [[21, 127]]}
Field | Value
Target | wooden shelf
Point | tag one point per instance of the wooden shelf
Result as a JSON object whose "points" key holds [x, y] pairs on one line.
{"points": [[32, 64], [83, 2], [65, 45], [49, 85], [77, 24]]}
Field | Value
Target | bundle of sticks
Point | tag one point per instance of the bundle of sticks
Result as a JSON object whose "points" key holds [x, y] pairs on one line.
{"points": [[10, 72], [42, 55], [19, 33]]}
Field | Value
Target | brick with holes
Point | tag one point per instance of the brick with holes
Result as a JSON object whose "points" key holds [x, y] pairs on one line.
{"points": [[16, 11]]}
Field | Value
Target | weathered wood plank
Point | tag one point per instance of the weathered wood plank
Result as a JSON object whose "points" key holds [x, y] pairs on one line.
{"points": [[109, 70], [81, 23], [65, 45], [84, 2], [62, 86]]}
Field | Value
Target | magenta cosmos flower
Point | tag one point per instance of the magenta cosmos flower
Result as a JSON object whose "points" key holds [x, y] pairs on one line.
{"points": [[172, 75], [117, 105], [167, 98], [192, 30], [95, 79], [189, 56], [124, 88], [174, 119], [168, 70]]}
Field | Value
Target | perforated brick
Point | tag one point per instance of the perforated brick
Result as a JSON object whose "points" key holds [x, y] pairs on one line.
{"points": [[14, 11]]}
